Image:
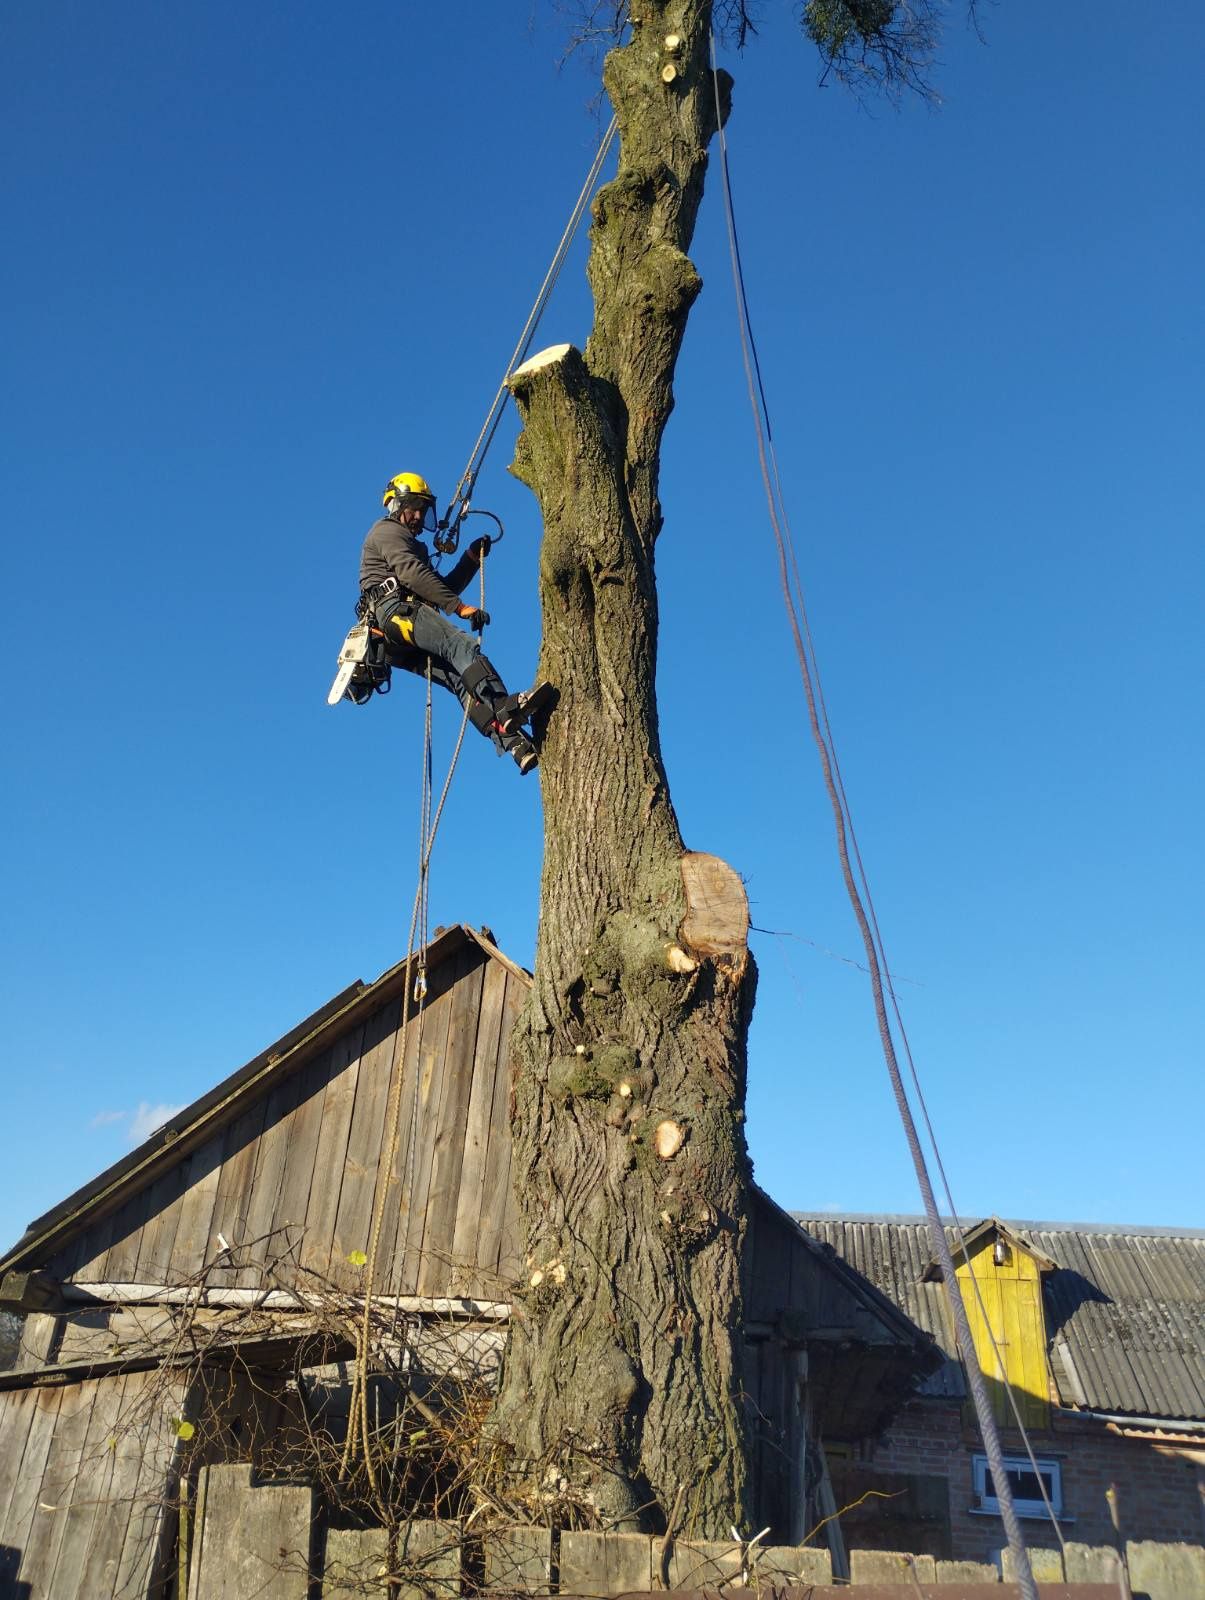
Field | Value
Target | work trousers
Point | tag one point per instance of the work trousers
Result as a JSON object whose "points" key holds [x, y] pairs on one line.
{"points": [[418, 634]]}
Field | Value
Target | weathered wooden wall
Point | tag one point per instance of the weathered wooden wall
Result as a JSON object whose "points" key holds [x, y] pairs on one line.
{"points": [[291, 1180], [825, 1356], [84, 1475], [280, 1163]]}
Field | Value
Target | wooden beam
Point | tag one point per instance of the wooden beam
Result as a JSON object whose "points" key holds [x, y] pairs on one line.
{"points": [[264, 1349], [161, 1294], [31, 1291]]}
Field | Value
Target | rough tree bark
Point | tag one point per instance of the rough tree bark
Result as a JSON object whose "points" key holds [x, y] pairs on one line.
{"points": [[631, 1175]]}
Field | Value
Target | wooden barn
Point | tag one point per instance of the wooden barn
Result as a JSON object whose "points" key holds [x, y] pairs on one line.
{"points": [[215, 1270]]}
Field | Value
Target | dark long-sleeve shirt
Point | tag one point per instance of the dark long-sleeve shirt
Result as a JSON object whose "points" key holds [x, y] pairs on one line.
{"points": [[389, 551]]}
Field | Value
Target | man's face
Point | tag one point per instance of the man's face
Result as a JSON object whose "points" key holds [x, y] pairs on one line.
{"points": [[414, 516]]}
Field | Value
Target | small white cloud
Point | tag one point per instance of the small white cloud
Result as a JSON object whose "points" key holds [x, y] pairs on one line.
{"points": [[148, 1118], [102, 1119]]}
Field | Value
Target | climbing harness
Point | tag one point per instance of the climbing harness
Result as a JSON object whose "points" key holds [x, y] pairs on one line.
{"points": [[858, 889]]}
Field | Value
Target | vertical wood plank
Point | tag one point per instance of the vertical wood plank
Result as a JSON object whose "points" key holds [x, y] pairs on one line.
{"points": [[500, 1249], [299, 1176], [606, 1563], [751, 1398], [435, 1258], [466, 1227], [254, 1542], [89, 1252], [158, 1237], [777, 1464], [434, 1066], [234, 1183], [39, 1343], [518, 1560], [128, 1223], [16, 1418], [331, 1160], [27, 1490], [89, 1492], [271, 1156], [410, 1060], [429, 1554], [192, 1246], [68, 1255], [57, 1488], [353, 1219], [156, 1448], [113, 1512]]}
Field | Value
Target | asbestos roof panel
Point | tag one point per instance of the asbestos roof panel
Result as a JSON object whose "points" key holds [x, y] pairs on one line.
{"points": [[893, 1257], [1125, 1306]]}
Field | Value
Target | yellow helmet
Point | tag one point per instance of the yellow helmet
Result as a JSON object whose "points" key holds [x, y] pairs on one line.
{"points": [[406, 484]]}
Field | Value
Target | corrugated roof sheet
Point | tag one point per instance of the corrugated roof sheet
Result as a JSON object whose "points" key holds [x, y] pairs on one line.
{"points": [[1125, 1307]]}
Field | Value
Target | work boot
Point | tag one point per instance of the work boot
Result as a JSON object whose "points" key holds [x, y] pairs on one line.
{"points": [[516, 709], [522, 752]]}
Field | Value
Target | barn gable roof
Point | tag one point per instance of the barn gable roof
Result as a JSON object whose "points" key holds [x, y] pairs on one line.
{"points": [[169, 1145], [283, 1158]]}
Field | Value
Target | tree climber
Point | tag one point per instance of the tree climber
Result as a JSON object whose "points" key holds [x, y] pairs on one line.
{"points": [[403, 595]]}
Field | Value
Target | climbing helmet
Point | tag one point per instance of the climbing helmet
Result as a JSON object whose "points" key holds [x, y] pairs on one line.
{"points": [[408, 489]]}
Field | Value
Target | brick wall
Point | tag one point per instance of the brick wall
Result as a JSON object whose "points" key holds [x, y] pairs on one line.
{"points": [[924, 1461]]}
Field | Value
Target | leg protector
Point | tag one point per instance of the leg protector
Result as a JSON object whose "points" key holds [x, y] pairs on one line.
{"points": [[481, 679], [482, 717]]}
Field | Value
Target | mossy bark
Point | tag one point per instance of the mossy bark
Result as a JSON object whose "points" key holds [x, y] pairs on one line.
{"points": [[623, 1375]]}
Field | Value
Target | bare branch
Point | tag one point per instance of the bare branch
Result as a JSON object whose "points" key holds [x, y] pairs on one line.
{"points": [[734, 22], [886, 45]]}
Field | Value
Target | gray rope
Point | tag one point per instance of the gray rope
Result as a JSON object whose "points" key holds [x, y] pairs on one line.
{"points": [[822, 734]]}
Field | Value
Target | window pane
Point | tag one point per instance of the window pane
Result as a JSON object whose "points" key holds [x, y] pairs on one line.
{"points": [[1025, 1483]]}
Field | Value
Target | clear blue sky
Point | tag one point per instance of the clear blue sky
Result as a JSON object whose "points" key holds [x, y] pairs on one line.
{"points": [[258, 258]]}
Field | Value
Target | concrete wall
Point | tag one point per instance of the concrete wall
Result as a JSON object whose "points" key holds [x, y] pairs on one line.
{"points": [[266, 1541]]}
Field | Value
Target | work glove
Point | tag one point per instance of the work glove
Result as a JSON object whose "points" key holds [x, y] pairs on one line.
{"points": [[480, 548], [474, 616]]}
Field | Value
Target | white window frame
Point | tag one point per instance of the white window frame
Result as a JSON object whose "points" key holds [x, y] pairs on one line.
{"points": [[1048, 1468]]}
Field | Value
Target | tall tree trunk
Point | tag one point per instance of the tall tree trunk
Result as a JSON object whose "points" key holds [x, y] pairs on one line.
{"points": [[623, 1376]]}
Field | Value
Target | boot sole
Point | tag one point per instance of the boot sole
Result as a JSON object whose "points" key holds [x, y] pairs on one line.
{"points": [[542, 695]]}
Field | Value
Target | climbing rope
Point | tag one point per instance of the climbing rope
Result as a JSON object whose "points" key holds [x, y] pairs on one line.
{"points": [[358, 1435], [415, 987], [463, 493], [414, 991], [857, 886]]}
